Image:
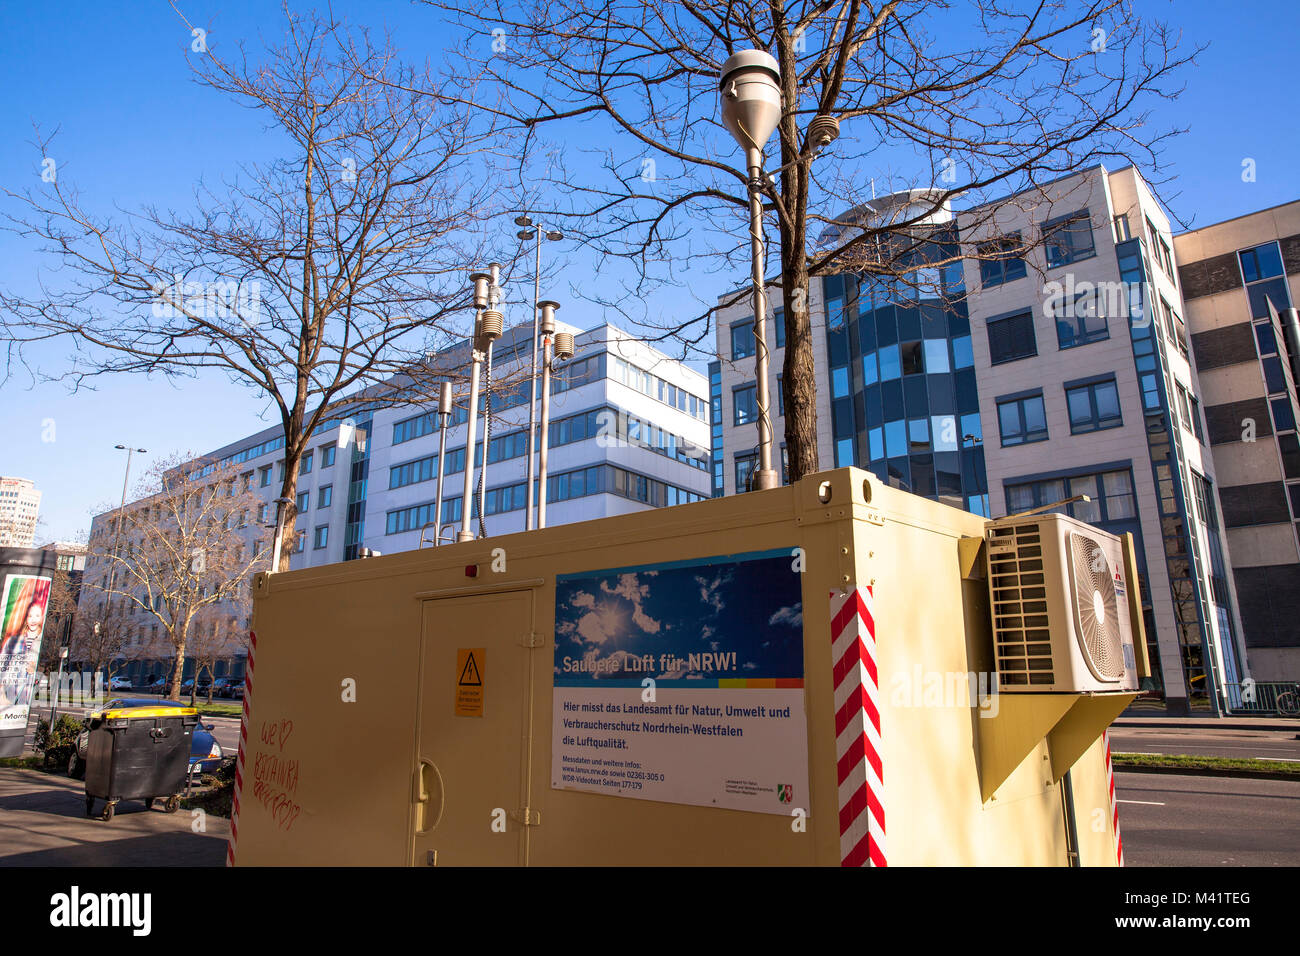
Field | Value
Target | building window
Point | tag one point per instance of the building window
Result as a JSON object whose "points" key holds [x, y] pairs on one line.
{"points": [[912, 356], [1068, 239], [1022, 420], [305, 467], [413, 472], [324, 497], [304, 501], [264, 515], [780, 394], [1261, 262], [1111, 493], [299, 542], [742, 339], [1093, 407], [1081, 323], [327, 453], [1160, 249], [745, 405], [1011, 338], [745, 465], [264, 476], [999, 261], [322, 537]]}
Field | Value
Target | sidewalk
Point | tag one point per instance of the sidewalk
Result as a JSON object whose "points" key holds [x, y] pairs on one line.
{"points": [[43, 823]]}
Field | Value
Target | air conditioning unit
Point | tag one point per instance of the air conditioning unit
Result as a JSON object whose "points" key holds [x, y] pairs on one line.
{"points": [[1060, 607]]}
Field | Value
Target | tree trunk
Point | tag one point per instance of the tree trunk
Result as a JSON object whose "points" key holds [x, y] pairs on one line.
{"points": [[174, 687], [289, 513], [799, 374]]}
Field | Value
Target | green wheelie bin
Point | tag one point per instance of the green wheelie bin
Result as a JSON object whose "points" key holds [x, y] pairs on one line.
{"points": [[138, 753]]}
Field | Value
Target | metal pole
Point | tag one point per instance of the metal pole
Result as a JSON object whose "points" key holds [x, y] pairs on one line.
{"points": [[54, 697], [117, 536], [545, 436], [487, 424], [532, 400], [765, 475], [444, 420], [278, 540], [467, 495]]}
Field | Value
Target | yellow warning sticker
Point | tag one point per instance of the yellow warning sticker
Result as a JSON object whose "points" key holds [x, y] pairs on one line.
{"points": [[471, 665]]}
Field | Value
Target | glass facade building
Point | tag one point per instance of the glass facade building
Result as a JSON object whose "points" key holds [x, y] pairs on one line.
{"points": [[904, 402]]}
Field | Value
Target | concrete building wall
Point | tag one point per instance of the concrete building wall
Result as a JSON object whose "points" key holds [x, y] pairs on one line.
{"points": [[1248, 420]]}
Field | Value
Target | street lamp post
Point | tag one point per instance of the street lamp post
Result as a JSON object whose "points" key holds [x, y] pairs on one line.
{"points": [[751, 108], [117, 535], [278, 541], [526, 233]]}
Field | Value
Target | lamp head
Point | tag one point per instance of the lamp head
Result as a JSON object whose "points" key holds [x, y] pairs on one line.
{"points": [[751, 97], [444, 398], [523, 221], [554, 236], [525, 234]]}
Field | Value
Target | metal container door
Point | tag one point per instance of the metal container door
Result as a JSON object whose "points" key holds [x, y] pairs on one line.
{"points": [[474, 737]]}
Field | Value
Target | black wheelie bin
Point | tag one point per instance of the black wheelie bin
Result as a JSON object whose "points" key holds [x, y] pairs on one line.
{"points": [[138, 753]]}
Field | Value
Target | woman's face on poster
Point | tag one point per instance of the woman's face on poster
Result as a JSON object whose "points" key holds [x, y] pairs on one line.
{"points": [[35, 618]]}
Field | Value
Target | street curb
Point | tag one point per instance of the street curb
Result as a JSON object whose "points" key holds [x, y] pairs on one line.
{"points": [[1209, 772], [1182, 723]]}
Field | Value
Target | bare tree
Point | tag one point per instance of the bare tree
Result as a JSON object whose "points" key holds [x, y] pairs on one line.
{"points": [[219, 635], [99, 635], [320, 279], [968, 98], [60, 615], [188, 548]]}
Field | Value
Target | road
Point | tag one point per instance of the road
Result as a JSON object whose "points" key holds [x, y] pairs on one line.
{"points": [[1266, 744], [1185, 820]]}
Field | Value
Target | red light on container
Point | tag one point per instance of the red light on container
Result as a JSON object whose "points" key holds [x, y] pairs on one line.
{"points": [[471, 570]]}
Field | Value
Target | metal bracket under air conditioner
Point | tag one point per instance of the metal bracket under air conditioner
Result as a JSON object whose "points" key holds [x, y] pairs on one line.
{"points": [[1070, 723]]}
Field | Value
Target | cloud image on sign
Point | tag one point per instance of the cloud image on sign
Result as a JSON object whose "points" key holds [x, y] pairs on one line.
{"points": [[686, 622]]}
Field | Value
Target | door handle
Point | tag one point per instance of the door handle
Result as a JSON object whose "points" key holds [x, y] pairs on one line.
{"points": [[428, 795]]}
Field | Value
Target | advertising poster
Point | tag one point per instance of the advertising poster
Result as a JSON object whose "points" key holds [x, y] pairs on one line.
{"points": [[683, 683], [26, 598]]}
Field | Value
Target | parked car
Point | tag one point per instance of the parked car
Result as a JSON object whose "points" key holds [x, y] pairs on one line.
{"points": [[205, 753], [120, 683], [189, 687], [232, 687], [156, 686]]}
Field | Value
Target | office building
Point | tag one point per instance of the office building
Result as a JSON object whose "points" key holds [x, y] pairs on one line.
{"points": [[1241, 282], [1054, 363], [902, 397], [628, 432], [20, 505]]}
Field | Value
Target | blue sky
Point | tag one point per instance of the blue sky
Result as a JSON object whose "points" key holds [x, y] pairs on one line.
{"points": [[134, 129]]}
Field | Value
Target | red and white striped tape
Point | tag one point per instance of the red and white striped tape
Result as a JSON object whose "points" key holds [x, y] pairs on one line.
{"points": [[1114, 804], [857, 728], [243, 745]]}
